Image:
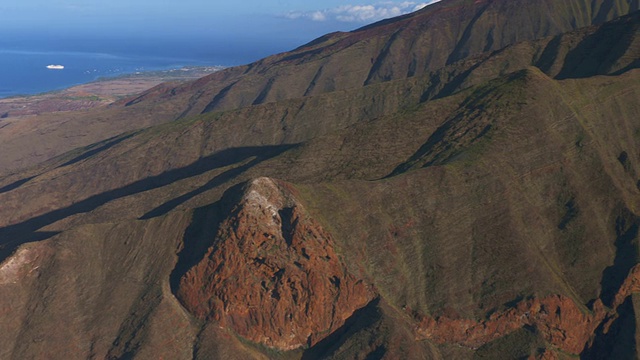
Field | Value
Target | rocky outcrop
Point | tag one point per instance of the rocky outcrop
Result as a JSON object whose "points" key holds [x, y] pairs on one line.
{"points": [[273, 275], [629, 286], [559, 320]]}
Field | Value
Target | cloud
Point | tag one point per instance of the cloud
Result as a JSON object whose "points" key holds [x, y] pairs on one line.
{"points": [[360, 13], [318, 16]]}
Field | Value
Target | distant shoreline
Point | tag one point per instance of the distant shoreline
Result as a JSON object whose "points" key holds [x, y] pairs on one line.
{"points": [[97, 93], [178, 73]]}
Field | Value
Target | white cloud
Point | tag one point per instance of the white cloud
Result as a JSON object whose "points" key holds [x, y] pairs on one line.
{"points": [[318, 16], [360, 13]]}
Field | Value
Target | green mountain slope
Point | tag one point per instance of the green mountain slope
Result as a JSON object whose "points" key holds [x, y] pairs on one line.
{"points": [[414, 45]]}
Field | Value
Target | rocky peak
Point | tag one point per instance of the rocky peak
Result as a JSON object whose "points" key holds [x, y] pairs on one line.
{"points": [[273, 275]]}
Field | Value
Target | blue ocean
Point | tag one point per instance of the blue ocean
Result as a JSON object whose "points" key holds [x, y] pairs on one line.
{"points": [[24, 60]]}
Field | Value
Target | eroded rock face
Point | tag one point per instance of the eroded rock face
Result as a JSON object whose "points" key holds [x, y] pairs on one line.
{"points": [[273, 275], [629, 286], [558, 319]]}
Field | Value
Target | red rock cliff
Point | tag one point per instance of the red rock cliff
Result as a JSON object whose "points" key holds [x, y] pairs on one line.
{"points": [[273, 275], [558, 319]]}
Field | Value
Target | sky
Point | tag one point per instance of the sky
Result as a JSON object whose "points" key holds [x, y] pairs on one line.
{"points": [[291, 18], [276, 25]]}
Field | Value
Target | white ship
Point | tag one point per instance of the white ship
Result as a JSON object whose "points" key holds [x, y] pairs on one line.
{"points": [[55, 67]]}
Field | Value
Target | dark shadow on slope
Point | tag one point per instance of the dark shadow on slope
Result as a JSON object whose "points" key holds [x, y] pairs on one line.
{"points": [[94, 149], [200, 234], [549, 55], [374, 73], [288, 224], [608, 7], [427, 148], [634, 65], [193, 100], [626, 226], [450, 79], [436, 82], [9, 248], [442, 145], [461, 50], [12, 236], [134, 331], [14, 185], [454, 84], [513, 303], [466, 128], [314, 81], [218, 98], [264, 93], [598, 52], [216, 181], [258, 157], [361, 319], [304, 55], [196, 241], [619, 342], [377, 354], [571, 213]]}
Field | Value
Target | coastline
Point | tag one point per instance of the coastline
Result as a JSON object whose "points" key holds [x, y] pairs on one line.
{"points": [[100, 92]]}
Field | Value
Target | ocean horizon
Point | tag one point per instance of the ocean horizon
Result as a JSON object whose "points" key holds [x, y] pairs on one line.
{"points": [[23, 64]]}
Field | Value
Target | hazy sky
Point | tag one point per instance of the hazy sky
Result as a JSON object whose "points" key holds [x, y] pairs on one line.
{"points": [[225, 32], [288, 19]]}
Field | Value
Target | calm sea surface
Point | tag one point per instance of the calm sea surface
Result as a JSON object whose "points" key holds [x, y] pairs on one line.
{"points": [[23, 62]]}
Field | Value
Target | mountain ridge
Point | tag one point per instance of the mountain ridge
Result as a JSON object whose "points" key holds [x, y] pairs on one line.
{"points": [[428, 23], [223, 90]]}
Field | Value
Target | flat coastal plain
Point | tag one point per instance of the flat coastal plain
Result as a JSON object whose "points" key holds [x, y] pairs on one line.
{"points": [[95, 94]]}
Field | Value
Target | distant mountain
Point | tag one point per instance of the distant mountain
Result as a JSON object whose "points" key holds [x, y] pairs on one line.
{"points": [[462, 182], [414, 45]]}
